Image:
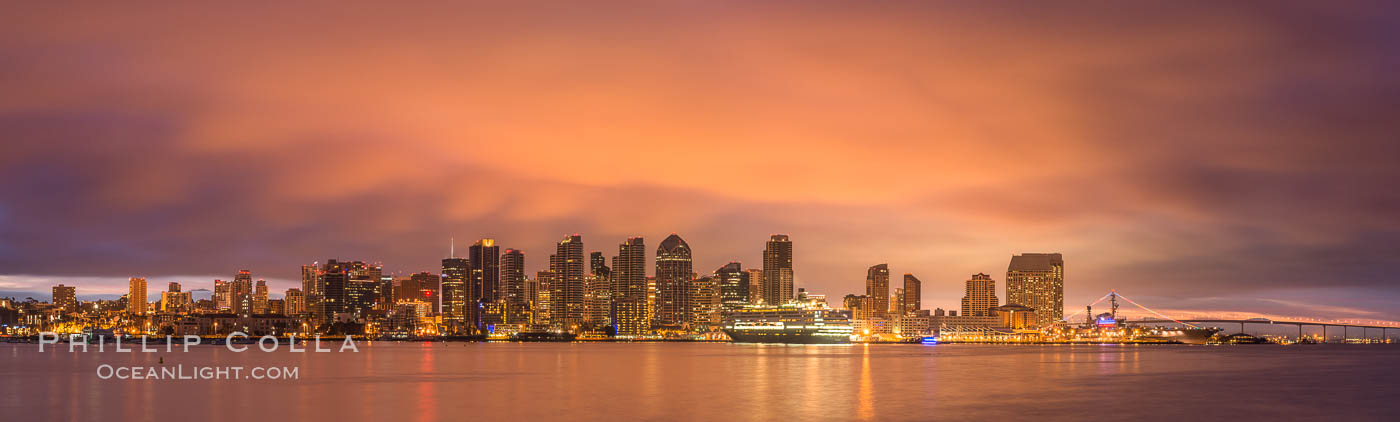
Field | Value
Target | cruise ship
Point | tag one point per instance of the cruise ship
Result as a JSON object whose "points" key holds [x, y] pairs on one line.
{"points": [[792, 324]]}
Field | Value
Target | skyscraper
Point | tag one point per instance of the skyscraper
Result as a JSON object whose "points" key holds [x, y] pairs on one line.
{"points": [[673, 277], [242, 292], [756, 284], [913, 289], [311, 286], [136, 296], [567, 266], [65, 297], [981, 296], [629, 280], [334, 281], [455, 272], [259, 297], [877, 287], [777, 270], [486, 270], [485, 284], [733, 285], [1037, 280], [513, 287]]}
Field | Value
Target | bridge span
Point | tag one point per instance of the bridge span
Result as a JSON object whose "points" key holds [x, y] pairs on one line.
{"points": [[1385, 330]]}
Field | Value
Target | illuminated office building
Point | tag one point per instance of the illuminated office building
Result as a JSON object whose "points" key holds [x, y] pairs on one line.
{"points": [[567, 268], [733, 285], [296, 301], [673, 278], [981, 296], [777, 270], [913, 290], [455, 272], [629, 280], [1037, 280], [513, 289], [65, 297], [877, 288], [136, 296]]}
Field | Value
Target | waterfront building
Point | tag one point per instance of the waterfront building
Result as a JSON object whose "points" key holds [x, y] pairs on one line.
{"points": [[485, 284], [629, 288], [277, 306], [1037, 280], [913, 292], [673, 281], [1017, 317], [455, 272], [513, 289], [539, 292], [296, 301], [755, 276], [65, 298], [223, 295], [597, 300], [877, 288], [311, 286], [777, 270], [705, 303], [733, 285], [136, 296], [567, 266], [242, 292], [260, 298], [429, 288], [981, 296]]}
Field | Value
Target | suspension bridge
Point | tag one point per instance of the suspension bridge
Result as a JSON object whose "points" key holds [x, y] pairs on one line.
{"points": [[1112, 296]]}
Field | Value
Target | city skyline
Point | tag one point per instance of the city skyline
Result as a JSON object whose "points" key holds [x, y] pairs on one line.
{"points": [[938, 139]]}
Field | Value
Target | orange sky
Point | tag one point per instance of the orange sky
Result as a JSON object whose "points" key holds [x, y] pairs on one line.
{"points": [[1187, 153]]}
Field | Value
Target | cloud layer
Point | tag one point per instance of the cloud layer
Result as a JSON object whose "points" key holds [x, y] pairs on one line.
{"points": [[1177, 151]]}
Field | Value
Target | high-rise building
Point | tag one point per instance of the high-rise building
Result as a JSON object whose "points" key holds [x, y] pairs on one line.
{"points": [[705, 303], [733, 285], [913, 289], [597, 300], [242, 292], [756, 284], [877, 287], [673, 276], [136, 296], [334, 281], [596, 262], [539, 291], [296, 301], [65, 297], [1037, 280], [175, 301], [981, 296], [311, 286], [513, 289], [260, 298], [629, 281], [223, 295], [568, 268], [485, 284], [429, 289], [455, 273], [777, 270], [486, 270]]}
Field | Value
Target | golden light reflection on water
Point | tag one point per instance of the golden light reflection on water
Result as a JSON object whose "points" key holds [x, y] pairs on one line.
{"points": [[866, 393]]}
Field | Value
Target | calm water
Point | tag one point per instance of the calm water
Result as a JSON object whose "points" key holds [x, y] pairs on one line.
{"points": [[686, 381]]}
